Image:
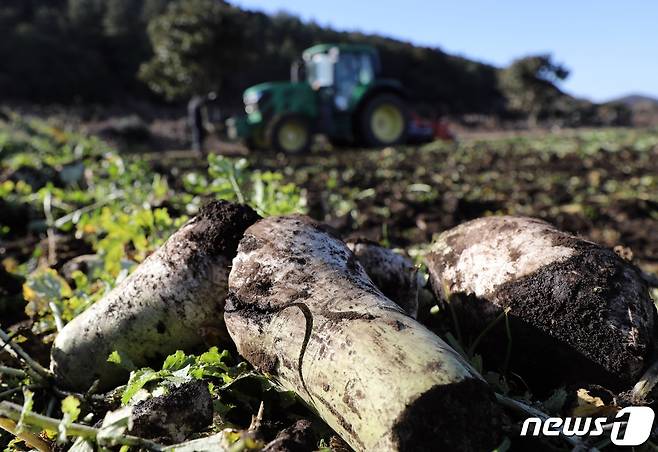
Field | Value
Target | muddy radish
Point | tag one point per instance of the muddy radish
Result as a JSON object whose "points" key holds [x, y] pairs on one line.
{"points": [[578, 311], [394, 274], [166, 304], [302, 309]]}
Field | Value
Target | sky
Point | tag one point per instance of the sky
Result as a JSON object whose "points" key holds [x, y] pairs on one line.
{"points": [[611, 47]]}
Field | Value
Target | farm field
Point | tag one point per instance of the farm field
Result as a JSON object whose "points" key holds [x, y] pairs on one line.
{"points": [[77, 216]]}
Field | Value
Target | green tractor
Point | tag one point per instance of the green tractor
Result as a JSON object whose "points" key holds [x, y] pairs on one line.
{"points": [[335, 90]]}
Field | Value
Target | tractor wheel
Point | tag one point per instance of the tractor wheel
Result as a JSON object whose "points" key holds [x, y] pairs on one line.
{"points": [[290, 133], [257, 141], [384, 121]]}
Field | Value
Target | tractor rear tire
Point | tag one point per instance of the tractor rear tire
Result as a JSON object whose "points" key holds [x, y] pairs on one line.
{"points": [[384, 121], [289, 133]]}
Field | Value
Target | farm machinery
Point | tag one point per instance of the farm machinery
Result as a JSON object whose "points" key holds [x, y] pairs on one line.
{"points": [[336, 90]]}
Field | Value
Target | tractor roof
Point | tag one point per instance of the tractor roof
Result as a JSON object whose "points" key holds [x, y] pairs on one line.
{"points": [[344, 47]]}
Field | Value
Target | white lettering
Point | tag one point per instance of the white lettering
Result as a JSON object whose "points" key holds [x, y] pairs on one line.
{"points": [[572, 426], [550, 431], [598, 426], [526, 425], [638, 429]]}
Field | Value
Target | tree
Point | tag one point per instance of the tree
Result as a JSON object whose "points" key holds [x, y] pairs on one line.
{"points": [[153, 8], [122, 17], [529, 84], [197, 45], [86, 14]]}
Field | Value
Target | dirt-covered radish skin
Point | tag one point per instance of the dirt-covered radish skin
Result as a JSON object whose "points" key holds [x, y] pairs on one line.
{"points": [[578, 311], [302, 309], [172, 417], [394, 274], [166, 304]]}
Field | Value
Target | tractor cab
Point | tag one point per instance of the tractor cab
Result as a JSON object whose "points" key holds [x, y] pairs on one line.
{"points": [[336, 90], [340, 69]]}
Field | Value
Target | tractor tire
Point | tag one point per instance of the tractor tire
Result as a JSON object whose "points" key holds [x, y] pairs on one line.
{"points": [[289, 133], [384, 121]]}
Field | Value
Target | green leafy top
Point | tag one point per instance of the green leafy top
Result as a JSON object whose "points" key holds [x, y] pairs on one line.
{"points": [[180, 368]]}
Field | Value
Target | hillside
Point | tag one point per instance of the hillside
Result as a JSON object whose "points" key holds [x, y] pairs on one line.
{"points": [[643, 109], [92, 52], [633, 100], [103, 52]]}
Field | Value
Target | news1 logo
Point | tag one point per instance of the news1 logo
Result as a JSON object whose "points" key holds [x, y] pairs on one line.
{"points": [[637, 431]]}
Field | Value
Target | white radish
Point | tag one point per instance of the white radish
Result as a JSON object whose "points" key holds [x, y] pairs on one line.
{"points": [[302, 309], [577, 311], [167, 303]]}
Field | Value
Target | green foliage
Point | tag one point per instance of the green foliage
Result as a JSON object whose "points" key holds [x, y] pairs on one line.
{"points": [[71, 411], [67, 50], [180, 368], [121, 359], [233, 386], [115, 209], [85, 13], [231, 179], [46, 292], [197, 44], [529, 85], [140, 230], [121, 210], [115, 423], [28, 404], [122, 17]]}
